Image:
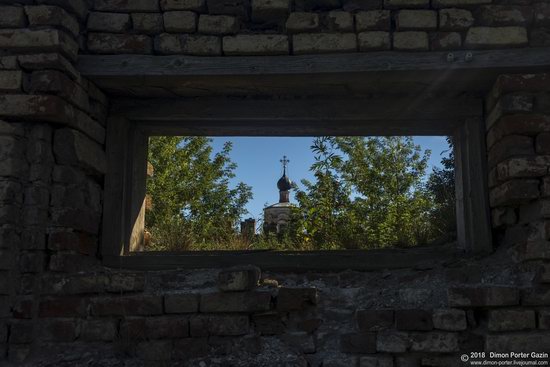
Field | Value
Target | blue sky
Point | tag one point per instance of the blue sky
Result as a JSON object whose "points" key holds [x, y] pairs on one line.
{"points": [[258, 163]]}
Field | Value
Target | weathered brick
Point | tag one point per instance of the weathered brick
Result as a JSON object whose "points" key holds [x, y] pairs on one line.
{"points": [[536, 296], [411, 41], [532, 341], [181, 303], [446, 41], [180, 21], [79, 219], [108, 22], [127, 305], [21, 331], [542, 143], [340, 21], [458, 3], [99, 330], [147, 23], [269, 323], [542, 14], [504, 15], [63, 306], [315, 5], [133, 328], [377, 20], [299, 341], [374, 320], [510, 146], [270, 10], [239, 278], [43, 40], [374, 41], [58, 330], [127, 6], [416, 20], [78, 7], [511, 319], [200, 45], [312, 43], [434, 342], [53, 61], [302, 22], [74, 148], [378, 361], [544, 319], [257, 44], [53, 81], [503, 216], [523, 167], [513, 192], [413, 320], [406, 4], [449, 320], [509, 104], [455, 19], [45, 15], [545, 189], [218, 24], [535, 211], [188, 348], [73, 284], [228, 7], [290, 299], [496, 37], [483, 296], [80, 242], [155, 350], [194, 5], [126, 282], [168, 44], [391, 341], [167, 327], [109, 43], [10, 81], [235, 302], [222, 325], [358, 343], [12, 17], [355, 5]]}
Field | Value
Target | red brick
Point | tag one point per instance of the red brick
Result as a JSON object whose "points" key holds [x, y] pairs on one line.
{"points": [[358, 343], [127, 305], [59, 330], [75, 241], [290, 299], [107, 43], [99, 330], [536, 296], [434, 342], [235, 302], [21, 332], [413, 320], [509, 146], [542, 144], [514, 192], [167, 327], [373, 320], [483, 296], [68, 306]]}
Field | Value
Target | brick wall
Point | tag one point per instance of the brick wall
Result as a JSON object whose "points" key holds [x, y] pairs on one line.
{"points": [[280, 27], [59, 307]]}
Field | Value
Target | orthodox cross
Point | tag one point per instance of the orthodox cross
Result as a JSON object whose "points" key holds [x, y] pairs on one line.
{"points": [[285, 163]]}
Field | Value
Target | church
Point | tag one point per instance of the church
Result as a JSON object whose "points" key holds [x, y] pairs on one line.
{"points": [[277, 216]]}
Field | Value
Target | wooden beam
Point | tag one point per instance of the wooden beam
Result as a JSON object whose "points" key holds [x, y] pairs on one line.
{"points": [[170, 66], [299, 117], [295, 261]]}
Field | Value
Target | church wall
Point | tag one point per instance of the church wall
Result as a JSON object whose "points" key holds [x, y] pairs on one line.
{"points": [[60, 307]]}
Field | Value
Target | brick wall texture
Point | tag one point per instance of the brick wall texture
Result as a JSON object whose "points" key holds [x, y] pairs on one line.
{"points": [[60, 307]]}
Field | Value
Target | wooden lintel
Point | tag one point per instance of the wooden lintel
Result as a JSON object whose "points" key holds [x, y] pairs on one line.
{"points": [[365, 260], [300, 117], [171, 66]]}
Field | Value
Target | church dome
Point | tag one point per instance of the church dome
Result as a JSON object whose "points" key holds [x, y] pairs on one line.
{"points": [[284, 183]]}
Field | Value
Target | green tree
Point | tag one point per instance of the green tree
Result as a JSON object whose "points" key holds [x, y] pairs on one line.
{"points": [[368, 193], [193, 203], [441, 187]]}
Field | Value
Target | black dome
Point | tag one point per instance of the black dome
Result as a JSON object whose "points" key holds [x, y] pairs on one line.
{"points": [[284, 183]]}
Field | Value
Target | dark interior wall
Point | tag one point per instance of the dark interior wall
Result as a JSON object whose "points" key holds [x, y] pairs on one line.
{"points": [[59, 306]]}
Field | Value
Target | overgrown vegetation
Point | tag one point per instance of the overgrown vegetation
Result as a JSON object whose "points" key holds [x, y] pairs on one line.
{"points": [[367, 193]]}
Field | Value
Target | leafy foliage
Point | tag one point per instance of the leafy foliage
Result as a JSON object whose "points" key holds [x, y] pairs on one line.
{"points": [[367, 193], [193, 203]]}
